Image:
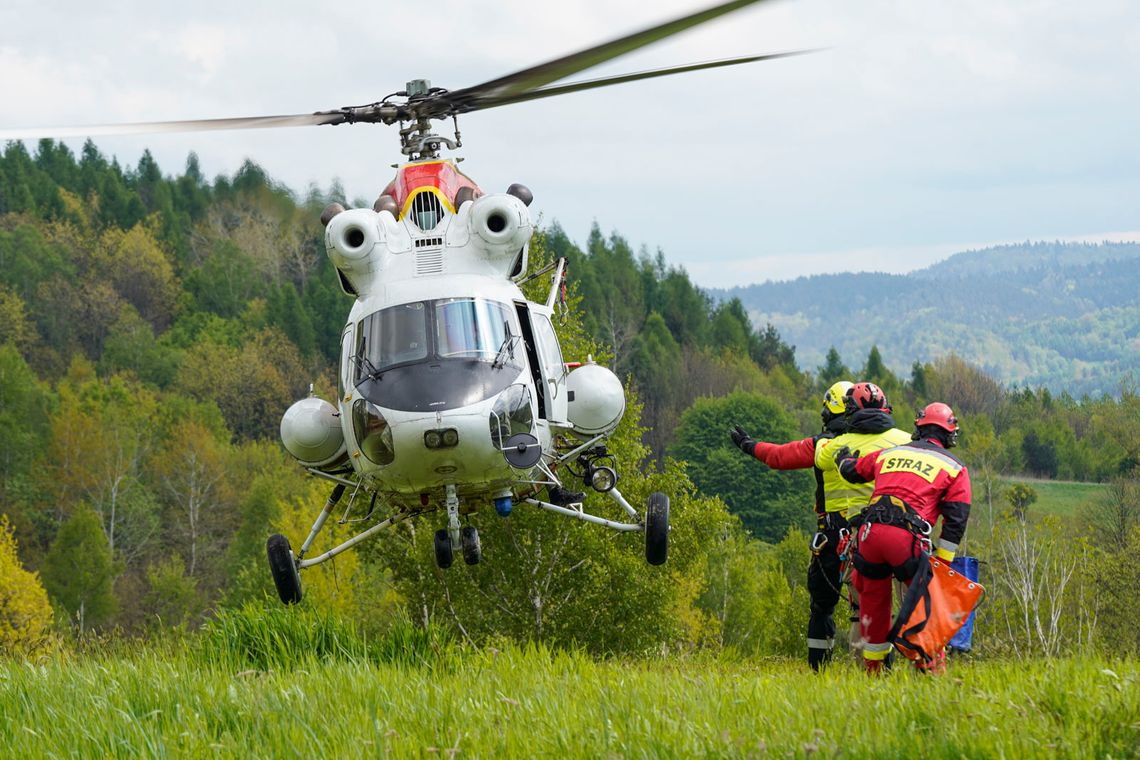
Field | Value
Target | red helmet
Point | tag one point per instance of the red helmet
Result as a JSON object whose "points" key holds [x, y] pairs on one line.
{"points": [[866, 396], [938, 414]]}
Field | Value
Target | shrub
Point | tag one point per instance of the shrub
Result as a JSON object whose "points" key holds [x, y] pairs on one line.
{"points": [[25, 613]]}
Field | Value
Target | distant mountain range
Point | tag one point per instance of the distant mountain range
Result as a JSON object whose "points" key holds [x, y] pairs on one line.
{"points": [[1065, 316]]}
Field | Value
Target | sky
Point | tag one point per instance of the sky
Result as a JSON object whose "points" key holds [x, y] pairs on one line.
{"points": [[921, 128]]}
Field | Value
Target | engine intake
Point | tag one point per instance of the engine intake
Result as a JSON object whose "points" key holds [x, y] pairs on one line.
{"points": [[501, 222]]}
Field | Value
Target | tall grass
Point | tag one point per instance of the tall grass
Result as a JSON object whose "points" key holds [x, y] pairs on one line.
{"points": [[528, 701], [266, 637]]}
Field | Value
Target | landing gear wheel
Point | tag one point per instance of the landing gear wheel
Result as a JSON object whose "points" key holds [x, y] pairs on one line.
{"points": [[657, 529], [284, 569], [472, 548], [443, 552]]}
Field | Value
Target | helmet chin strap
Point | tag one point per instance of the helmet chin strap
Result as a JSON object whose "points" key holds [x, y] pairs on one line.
{"points": [[946, 438]]}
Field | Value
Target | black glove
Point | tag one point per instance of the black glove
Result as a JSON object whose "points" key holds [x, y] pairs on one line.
{"points": [[845, 453], [741, 439]]}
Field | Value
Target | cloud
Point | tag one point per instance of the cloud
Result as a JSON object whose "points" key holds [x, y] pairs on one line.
{"points": [[204, 46], [923, 125]]}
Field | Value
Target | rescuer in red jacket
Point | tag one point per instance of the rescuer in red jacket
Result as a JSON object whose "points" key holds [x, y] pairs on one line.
{"points": [[823, 581], [915, 484]]}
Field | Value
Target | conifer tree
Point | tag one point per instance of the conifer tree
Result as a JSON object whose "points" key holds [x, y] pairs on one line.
{"points": [[79, 570]]}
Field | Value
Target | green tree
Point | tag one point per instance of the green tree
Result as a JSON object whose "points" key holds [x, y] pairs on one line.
{"points": [[656, 362], [766, 501], [103, 431], [877, 372], [190, 467], [14, 326], [24, 408], [173, 597], [1040, 455], [966, 388], [252, 385], [757, 611], [1020, 496], [832, 371], [1114, 516], [918, 380], [79, 571], [770, 351]]}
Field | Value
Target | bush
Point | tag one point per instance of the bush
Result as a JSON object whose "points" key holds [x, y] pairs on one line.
{"points": [[25, 613]]}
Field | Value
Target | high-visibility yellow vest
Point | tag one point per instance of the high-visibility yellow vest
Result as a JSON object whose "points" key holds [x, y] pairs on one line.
{"points": [[839, 495]]}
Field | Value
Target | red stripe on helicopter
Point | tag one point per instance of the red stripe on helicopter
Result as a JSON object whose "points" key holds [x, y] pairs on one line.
{"points": [[441, 175]]}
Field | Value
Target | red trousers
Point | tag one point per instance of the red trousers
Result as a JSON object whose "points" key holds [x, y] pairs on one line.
{"points": [[886, 545]]}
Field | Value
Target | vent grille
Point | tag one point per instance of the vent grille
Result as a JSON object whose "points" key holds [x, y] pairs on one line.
{"points": [[426, 211], [429, 262], [431, 242]]}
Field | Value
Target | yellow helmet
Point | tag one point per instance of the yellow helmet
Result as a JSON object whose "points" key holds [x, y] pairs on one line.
{"points": [[834, 400]]}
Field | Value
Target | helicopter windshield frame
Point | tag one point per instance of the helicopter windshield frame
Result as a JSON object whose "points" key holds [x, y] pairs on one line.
{"points": [[444, 329]]}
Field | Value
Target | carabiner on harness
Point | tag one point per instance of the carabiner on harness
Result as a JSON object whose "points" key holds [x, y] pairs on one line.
{"points": [[818, 541], [844, 543]]}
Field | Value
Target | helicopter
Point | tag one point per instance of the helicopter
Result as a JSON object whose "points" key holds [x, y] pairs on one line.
{"points": [[452, 391]]}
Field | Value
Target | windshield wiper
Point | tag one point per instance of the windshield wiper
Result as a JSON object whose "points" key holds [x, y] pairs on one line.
{"points": [[506, 349], [372, 372]]}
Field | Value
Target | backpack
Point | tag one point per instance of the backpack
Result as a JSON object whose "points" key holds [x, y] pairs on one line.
{"points": [[937, 604]]}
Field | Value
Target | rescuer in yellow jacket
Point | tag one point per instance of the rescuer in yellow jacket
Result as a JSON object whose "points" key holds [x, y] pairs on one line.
{"points": [[870, 427], [823, 576]]}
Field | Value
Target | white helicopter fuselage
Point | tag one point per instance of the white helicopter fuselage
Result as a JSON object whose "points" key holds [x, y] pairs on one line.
{"points": [[442, 358], [463, 400]]}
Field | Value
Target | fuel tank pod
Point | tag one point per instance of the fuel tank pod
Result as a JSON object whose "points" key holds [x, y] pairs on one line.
{"points": [[595, 400], [311, 432]]}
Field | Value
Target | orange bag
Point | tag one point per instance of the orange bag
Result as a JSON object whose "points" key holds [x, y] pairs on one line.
{"points": [[937, 604]]}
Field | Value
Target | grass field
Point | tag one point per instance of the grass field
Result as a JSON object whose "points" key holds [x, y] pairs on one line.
{"points": [[529, 702], [1063, 498]]}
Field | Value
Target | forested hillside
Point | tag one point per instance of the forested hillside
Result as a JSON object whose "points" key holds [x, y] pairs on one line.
{"points": [[155, 327], [1062, 316]]}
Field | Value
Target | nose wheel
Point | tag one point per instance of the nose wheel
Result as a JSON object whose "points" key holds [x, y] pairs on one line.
{"points": [[472, 548], [443, 553], [469, 545]]}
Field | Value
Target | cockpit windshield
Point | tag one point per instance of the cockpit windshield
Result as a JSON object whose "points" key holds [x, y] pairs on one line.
{"points": [[444, 329]]}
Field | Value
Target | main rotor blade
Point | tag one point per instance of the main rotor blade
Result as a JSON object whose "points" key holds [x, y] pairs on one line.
{"points": [[532, 78], [192, 125], [589, 84]]}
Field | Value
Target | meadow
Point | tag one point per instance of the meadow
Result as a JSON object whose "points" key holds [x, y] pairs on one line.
{"points": [[1060, 497], [265, 685]]}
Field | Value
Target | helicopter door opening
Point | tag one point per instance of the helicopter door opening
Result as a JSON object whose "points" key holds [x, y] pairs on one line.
{"points": [[532, 357], [545, 359], [553, 369]]}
